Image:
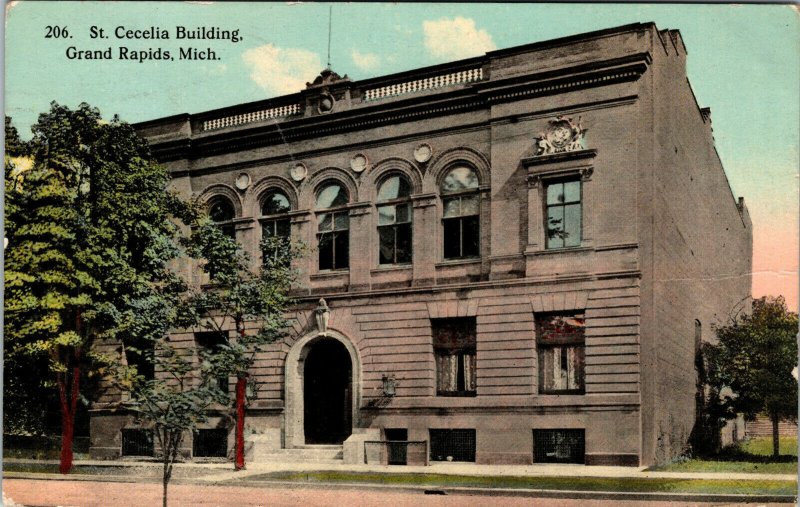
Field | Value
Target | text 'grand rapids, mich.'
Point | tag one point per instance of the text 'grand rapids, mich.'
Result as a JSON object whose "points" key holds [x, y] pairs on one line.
{"points": [[154, 33]]}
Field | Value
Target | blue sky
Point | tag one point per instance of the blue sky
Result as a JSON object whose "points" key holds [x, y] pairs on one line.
{"points": [[743, 62]]}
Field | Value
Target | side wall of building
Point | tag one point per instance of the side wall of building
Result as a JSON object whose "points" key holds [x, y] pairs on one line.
{"points": [[701, 244]]}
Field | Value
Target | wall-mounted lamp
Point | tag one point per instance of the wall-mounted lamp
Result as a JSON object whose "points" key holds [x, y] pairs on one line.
{"points": [[389, 386]]}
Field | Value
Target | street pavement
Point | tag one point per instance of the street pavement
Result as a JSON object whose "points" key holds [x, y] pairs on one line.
{"points": [[70, 493], [127, 483]]}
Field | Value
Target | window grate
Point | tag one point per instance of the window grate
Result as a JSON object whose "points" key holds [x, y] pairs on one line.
{"points": [[137, 442], [457, 445], [558, 446], [211, 443]]}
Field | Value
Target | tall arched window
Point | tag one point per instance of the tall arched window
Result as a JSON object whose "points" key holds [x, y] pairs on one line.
{"points": [[461, 216], [222, 213], [274, 222], [394, 221], [333, 224]]}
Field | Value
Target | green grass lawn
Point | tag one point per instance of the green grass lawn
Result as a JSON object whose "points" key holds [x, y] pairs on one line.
{"points": [[641, 485], [753, 456], [763, 446]]}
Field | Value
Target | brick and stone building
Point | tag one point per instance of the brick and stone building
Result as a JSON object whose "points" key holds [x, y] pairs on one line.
{"points": [[518, 253]]}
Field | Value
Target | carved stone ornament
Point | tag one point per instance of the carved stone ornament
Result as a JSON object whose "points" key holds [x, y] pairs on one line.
{"points": [[561, 135], [323, 314], [326, 102], [327, 77]]}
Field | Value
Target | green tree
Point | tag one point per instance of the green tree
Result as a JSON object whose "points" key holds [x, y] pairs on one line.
{"points": [[28, 395], [178, 396], [754, 358], [89, 236], [241, 298]]}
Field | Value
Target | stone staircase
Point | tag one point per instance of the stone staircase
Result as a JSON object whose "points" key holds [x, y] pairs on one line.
{"points": [[330, 454]]}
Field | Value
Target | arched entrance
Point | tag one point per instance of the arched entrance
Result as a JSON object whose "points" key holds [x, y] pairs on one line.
{"points": [[322, 390], [327, 393]]}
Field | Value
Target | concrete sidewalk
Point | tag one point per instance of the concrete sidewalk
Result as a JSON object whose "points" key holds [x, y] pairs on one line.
{"points": [[223, 475], [222, 472]]}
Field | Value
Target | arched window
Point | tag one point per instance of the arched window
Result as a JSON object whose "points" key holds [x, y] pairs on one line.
{"points": [[461, 216], [222, 213], [274, 222], [394, 221], [333, 224]]}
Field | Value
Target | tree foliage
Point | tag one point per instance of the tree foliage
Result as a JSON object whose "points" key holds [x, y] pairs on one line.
{"points": [[249, 303], [89, 236], [174, 399], [750, 368]]}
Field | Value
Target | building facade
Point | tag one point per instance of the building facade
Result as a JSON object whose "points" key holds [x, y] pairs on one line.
{"points": [[512, 258]]}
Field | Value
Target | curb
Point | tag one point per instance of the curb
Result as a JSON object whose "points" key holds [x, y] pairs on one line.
{"points": [[533, 493]]}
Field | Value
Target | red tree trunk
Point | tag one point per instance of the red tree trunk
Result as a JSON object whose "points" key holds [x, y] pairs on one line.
{"points": [[241, 386], [68, 390], [69, 405]]}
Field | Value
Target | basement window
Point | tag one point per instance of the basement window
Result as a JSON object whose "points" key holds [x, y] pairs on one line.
{"points": [[210, 443], [558, 446], [137, 442], [453, 445]]}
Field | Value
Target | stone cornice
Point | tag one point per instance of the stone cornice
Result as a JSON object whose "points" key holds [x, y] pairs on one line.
{"points": [[449, 101]]}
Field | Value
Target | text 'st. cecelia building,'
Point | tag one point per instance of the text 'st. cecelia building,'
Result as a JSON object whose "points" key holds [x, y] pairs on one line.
{"points": [[519, 254]]}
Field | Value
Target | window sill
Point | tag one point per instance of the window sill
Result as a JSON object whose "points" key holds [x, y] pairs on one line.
{"points": [[457, 394], [391, 267], [556, 393], [582, 248], [458, 262], [333, 273]]}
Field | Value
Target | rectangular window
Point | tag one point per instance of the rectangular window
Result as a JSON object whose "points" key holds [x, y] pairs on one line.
{"points": [[461, 221], [558, 446], [333, 238], [137, 442], [394, 233], [209, 341], [229, 230], [563, 214], [278, 229], [140, 356], [212, 443], [454, 344], [560, 344], [453, 445]]}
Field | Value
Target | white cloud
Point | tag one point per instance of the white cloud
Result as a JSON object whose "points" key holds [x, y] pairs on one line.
{"points": [[365, 61], [281, 71], [456, 38]]}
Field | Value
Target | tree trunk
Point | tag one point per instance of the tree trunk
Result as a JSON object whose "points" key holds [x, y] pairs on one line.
{"points": [[69, 406], [170, 443], [241, 386], [67, 426], [776, 451], [164, 494]]}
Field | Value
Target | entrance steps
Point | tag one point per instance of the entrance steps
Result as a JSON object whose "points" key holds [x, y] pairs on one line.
{"points": [[331, 454]]}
